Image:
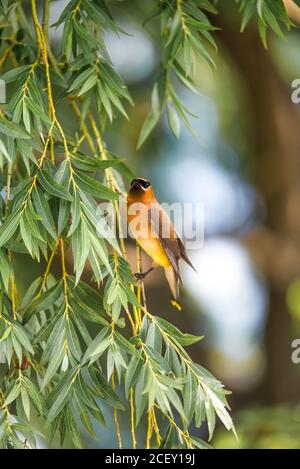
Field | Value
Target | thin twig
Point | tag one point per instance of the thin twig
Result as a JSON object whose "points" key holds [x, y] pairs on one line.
{"points": [[132, 419]]}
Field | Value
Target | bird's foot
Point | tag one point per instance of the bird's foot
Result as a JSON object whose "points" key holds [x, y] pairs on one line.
{"points": [[142, 275], [175, 304]]}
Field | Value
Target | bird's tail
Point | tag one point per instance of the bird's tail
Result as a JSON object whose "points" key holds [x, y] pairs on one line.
{"points": [[173, 280]]}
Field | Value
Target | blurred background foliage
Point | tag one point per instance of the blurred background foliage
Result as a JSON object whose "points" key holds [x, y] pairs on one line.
{"points": [[245, 169]]}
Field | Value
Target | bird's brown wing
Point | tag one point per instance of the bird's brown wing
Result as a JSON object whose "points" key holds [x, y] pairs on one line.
{"points": [[172, 245], [159, 222], [183, 253]]}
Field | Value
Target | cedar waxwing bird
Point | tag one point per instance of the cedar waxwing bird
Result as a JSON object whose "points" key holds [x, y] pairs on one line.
{"points": [[152, 228]]}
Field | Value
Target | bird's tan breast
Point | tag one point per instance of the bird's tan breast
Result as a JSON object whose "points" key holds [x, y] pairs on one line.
{"points": [[153, 248], [140, 228]]}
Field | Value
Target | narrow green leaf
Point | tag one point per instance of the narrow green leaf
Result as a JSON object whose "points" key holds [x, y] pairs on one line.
{"points": [[9, 227], [13, 394], [43, 210], [14, 73], [4, 269], [22, 337], [94, 187], [75, 213], [12, 130], [53, 366], [132, 373], [52, 187], [173, 120], [25, 402], [97, 346], [189, 395], [149, 124], [62, 399]]}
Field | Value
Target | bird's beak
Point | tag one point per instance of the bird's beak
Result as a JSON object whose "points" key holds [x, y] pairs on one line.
{"points": [[135, 183]]}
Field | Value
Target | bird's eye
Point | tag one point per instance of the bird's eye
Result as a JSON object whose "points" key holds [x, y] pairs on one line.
{"points": [[145, 184]]}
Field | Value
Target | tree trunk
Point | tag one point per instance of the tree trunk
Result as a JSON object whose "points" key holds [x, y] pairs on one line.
{"points": [[275, 247]]}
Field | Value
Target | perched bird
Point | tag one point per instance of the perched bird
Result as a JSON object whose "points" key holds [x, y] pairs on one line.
{"points": [[152, 228]]}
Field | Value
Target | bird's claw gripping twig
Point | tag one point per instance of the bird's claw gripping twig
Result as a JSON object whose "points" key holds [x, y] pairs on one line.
{"points": [[142, 275]]}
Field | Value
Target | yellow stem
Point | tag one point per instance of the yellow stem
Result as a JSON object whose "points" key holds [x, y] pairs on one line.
{"points": [[139, 270], [182, 18], [156, 429], [8, 51], [40, 164], [46, 15], [46, 273], [116, 415], [4, 56], [11, 276], [132, 323], [13, 299], [43, 53], [78, 143], [185, 435], [76, 9], [85, 131], [132, 418], [149, 429], [111, 180], [13, 58], [65, 276], [8, 187]]}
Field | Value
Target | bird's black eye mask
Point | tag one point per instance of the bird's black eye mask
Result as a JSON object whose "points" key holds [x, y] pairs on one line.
{"points": [[140, 182]]}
